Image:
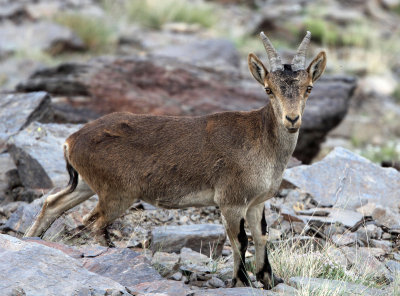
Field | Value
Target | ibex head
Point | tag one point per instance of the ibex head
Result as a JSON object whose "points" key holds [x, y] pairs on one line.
{"points": [[288, 86]]}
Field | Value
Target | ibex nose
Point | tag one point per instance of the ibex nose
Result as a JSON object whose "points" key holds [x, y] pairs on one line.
{"points": [[292, 120]]}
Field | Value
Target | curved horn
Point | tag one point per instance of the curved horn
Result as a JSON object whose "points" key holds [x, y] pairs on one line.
{"points": [[273, 57], [299, 60]]}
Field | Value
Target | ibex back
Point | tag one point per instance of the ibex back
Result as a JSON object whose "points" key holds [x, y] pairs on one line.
{"points": [[234, 160]]}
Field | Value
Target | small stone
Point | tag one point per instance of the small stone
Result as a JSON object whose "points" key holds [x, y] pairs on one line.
{"points": [[165, 263], [189, 256], [386, 217], [177, 276], [193, 269], [367, 210], [225, 273], [393, 266], [215, 282], [386, 236], [345, 239], [333, 229], [205, 238], [382, 244], [284, 289]]}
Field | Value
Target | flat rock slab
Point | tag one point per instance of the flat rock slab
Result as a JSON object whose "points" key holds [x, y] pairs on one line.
{"points": [[207, 239], [19, 110], [347, 218], [338, 287], [160, 288], [127, 267], [40, 270], [38, 153], [235, 292], [41, 35], [346, 180]]}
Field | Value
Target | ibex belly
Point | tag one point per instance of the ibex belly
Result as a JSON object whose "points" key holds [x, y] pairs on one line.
{"points": [[200, 198]]}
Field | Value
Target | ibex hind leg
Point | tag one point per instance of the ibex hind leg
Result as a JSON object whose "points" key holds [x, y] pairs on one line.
{"points": [[109, 208], [57, 204]]}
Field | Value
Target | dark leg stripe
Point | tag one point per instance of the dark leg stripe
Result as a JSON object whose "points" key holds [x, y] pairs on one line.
{"points": [[266, 267], [243, 241], [263, 224]]}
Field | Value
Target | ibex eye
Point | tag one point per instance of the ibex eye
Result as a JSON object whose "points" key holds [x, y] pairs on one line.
{"points": [[309, 88], [268, 90]]}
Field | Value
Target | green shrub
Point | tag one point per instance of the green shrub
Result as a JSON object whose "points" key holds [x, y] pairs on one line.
{"points": [[95, 32], [154, 13]]}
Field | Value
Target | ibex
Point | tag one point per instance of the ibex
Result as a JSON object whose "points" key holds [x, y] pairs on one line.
{"points": [[233, 160]]}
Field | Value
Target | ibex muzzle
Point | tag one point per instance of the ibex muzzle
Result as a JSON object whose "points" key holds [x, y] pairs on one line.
{"points": [[234, 160]]}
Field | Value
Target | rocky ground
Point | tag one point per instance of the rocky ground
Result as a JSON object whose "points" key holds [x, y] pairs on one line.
{"points": [[334, 227]]}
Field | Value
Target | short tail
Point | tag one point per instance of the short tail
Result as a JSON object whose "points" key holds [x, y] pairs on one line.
{"points": [[73, 177], [73, 174]]}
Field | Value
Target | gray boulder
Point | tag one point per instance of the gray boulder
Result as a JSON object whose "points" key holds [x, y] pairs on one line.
{"points": [[207, 239], [214, 53], [19, 110], [346, 180], [39, 36], [38, 153], [39, 270]]}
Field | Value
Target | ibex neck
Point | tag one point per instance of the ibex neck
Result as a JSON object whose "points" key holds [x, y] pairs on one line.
{"points": [[276, 137]]}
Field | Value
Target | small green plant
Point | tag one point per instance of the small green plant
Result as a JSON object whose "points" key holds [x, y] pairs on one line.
{"points": [[396, 94], [153, 13], [390, 151], [95, 32]]}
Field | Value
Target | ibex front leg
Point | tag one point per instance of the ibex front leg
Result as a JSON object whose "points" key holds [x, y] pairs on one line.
{"points": [[233, 218], [258, 226]]}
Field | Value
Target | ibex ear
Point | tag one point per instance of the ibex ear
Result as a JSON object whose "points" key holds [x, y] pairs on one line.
{"points": [[257, 68], [317, 66]]}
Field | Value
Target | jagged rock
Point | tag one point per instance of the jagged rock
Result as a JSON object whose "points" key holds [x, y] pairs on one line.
{"points": [[39, 156], [316, 284], [7, 170], [346, 218], [207, 239], [382, 244], [39, 36], [344, 239], [165, 86], [21, 219], [188, 256], [18, 110], [40, 270], [386, 217], [336, 181], [215, 282], [165, 263]]}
